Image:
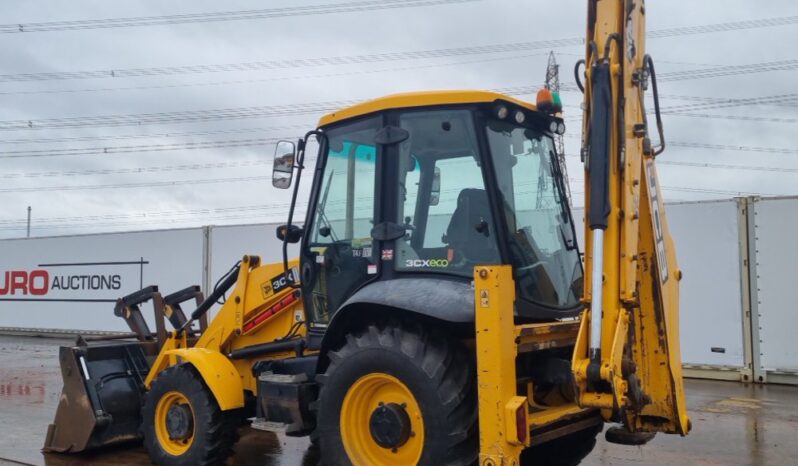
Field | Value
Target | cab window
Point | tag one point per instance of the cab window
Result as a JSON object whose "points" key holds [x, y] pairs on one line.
{"points": [[443, 203]]}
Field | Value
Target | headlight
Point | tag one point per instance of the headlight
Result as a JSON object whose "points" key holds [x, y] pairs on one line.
{"points": [[553, 127], [561, 128], [519, 117]]}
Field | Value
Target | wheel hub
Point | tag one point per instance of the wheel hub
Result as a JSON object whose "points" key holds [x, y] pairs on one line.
{"points": [[390, 425], [179, 422]]}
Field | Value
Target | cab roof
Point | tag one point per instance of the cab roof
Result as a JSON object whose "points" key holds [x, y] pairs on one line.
{"points": [[419, 99]]}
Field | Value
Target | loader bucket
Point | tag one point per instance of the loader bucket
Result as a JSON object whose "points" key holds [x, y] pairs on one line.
{"points": [[101, 400]]}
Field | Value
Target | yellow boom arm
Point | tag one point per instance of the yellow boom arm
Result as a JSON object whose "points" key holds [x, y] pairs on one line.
{"points": [[627, 360]]}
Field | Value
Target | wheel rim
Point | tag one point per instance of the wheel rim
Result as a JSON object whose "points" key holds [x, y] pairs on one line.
{"points": [[373, 398], [174, 439]]}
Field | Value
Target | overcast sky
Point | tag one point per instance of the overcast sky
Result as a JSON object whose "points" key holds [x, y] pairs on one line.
{"points": [[186, 187]]}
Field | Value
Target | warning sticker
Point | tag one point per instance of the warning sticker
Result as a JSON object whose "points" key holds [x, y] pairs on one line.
{"points": [[484, 300]]}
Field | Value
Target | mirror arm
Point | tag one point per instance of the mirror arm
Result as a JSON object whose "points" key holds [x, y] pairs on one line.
{"points": [[300, 162]]}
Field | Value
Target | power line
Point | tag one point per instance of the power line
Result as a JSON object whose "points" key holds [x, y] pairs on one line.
{"points": [[714, 103], [724, 166], [692, 189], [703, 145], [111, 150], [736, 117], [724, 27], [232, 143], [205, 115], [168, 214], [711, 116], [281, 78], [173, 117], [716, 166], [778, 99], [154, 184], [136, 170], [715, 191], [378, 57], [280, 210], [324, 9], [292, 63], [154, 135], [187, 222], [266, 162], [731, 70], [728, 147]]}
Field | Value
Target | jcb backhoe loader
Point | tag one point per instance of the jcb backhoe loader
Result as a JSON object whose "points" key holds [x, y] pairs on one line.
{"points": [[438, 312]]}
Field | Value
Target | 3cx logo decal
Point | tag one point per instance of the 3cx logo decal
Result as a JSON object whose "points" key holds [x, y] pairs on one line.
{"points": [[419, 263]]}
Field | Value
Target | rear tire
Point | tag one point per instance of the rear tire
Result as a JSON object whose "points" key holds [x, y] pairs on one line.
{"points": [[418, 383], [200, 434]]}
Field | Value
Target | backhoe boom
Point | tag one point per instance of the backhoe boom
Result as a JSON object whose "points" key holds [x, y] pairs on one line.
{"points": [[627, 360]]}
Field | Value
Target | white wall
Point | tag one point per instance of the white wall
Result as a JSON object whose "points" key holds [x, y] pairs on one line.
{"points": [[230, 243], [86, 274], [775, 280], [706, 236], [707, 242]]}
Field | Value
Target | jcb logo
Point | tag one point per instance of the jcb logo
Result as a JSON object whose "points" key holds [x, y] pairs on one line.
{"points": [[420, 263]]}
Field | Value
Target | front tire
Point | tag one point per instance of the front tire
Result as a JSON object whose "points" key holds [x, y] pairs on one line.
{"points": [[395, 395], [182, 422]]}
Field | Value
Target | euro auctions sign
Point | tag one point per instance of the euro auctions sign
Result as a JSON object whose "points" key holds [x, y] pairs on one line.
{"points": [[74, 281]]}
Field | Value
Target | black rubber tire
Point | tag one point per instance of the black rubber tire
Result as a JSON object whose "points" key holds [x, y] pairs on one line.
{"points": [[564, 451], [215, 431], [437, 370]]}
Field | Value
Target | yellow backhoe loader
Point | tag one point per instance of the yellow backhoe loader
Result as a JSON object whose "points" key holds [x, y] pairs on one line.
{"points": [[438, 312]]}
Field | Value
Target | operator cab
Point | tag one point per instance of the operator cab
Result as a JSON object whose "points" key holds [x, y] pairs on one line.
{"points": [[430, 185]]}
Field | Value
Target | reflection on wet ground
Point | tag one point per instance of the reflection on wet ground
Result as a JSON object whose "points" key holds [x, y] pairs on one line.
{"points": [[254, 449], [733, 424]]}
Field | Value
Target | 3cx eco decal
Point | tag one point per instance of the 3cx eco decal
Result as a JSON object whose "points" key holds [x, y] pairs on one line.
{"points": [[426, 263], [280, 282]]}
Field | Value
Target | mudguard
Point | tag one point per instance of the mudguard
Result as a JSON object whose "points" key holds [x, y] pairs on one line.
{"points": [[219, 374], [448, 300]]}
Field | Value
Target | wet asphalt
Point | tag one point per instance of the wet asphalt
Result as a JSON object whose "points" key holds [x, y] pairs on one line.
{"points": [[733, 423]]}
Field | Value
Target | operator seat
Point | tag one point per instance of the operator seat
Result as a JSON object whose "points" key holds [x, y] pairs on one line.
{"points": [[462, 236]]}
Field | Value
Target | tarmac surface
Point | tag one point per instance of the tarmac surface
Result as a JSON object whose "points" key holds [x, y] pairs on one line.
{"points": [[733, 423]]}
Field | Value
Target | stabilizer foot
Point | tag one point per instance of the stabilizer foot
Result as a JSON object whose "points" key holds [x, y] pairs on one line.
{"points": [[622, 436]]}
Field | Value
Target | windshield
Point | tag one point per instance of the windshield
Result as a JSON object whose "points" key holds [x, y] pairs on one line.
{"points": [[546, 262]]}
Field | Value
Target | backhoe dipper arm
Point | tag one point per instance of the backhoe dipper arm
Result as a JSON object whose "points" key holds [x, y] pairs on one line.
{"points": [[627, 359]]}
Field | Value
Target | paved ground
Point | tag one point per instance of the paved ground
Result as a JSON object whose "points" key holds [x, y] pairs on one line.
{"points": [[733, 424]]}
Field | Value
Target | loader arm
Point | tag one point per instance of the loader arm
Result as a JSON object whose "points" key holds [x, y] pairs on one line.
{"points": [[627, 359]]}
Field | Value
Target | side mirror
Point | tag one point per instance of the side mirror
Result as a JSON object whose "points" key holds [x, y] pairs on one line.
{"points": [[435, 192], [283, 166], [290, 234]]}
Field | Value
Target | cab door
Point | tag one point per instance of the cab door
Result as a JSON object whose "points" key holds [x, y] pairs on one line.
{"points": [[338, 252]]}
